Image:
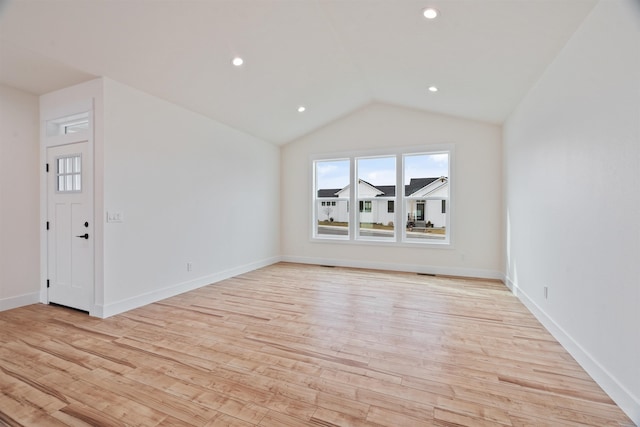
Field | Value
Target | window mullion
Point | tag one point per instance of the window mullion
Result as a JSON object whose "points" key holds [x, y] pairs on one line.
{"points": [[353, 200], [399, 203]]}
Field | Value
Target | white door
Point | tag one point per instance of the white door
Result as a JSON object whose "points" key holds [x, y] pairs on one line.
{"points": [[70, 229]]}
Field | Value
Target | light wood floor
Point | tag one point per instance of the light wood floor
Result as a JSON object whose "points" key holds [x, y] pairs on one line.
{"points": [[292, 345]]}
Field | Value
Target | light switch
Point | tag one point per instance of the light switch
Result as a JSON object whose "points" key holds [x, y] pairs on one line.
{"points": [[115, 216]]}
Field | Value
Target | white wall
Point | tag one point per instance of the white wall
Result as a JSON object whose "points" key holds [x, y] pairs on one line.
{"points": [[572, 173], [19, 199], [190, 190], [477, 219]]}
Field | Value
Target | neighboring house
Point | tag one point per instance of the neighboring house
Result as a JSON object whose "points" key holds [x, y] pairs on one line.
{"points": [[376, 204]]}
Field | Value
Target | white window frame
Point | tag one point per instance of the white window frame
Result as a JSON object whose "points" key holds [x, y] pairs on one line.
{"points": [[400, 200], [63, 125]]}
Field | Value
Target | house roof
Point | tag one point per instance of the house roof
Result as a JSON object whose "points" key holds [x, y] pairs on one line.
{"points": [[417, 183], [387, 190], [329, 192], [334, 57], [414, 185], [373, 187]]}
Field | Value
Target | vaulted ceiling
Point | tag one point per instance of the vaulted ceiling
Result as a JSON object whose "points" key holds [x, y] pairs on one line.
{"points": [[331, 56]]}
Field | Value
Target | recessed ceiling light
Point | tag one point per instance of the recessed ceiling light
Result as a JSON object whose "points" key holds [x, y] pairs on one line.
{"points": [[433, 89], [237, 61], [430, 13], [301, 109]]}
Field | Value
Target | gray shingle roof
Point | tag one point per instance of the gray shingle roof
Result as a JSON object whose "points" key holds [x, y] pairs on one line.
{"points": [[331, 192], [389, 190], [417, 183]]}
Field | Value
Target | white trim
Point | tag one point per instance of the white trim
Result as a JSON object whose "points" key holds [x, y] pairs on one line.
{"points": [[49, 142], [121, 306], [419, 243], [63, 110], [406, 268], [78, 99], [19, 301], [620, 395]]}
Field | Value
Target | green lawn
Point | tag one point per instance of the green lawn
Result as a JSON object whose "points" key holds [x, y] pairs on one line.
{"points": [[371, 226]]}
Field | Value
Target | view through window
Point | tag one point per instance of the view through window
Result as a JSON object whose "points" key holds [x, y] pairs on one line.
{"points": [[401, 198], [332, 207]]}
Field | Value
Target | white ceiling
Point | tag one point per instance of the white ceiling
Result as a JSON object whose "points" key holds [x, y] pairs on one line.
{"points": [[333, 56]]}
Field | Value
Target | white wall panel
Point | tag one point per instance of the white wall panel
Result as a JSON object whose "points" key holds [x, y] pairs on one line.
{"points": [[19, 198], [189, 190], [572, 173]]}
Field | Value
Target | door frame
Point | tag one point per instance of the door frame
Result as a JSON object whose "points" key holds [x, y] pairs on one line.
{"points": [[48, 140]]}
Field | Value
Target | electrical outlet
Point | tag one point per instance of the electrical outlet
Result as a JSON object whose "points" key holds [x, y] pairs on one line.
{"points": [[189, 266]]}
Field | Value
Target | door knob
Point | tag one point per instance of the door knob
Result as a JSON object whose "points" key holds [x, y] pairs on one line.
{"points": [[84, 236]]}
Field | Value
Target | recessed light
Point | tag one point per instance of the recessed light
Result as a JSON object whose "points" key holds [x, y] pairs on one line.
{"points": [[433, 89], [237, 61], [430, 13], [302, 109]]}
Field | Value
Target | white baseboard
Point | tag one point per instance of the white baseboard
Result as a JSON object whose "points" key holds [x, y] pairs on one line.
{"points": [[19, 301], [170, 291], [409, 268], [629, 404]]}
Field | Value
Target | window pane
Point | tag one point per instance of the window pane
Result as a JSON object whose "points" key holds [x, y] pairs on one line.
{"points": [[60, 166], [76, 164], [420, 170], [376, 185], [76, 127], [69, 165], [61, 183], [332, 193], [426, 221], [426, 189], [68, 185], [77, 184]]}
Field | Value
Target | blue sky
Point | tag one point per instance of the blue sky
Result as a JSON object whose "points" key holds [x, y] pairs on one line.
{"points": [[381, 170]]}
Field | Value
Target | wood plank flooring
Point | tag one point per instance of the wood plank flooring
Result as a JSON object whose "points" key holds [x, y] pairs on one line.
{"points": [[293, 345]]}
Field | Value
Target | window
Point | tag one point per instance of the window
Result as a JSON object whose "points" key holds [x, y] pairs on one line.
{"points": [[75, 123], [75, 127], [69, 174], [422, 179], [426, 189], [331, 198], [376, 186], [365, 206]]}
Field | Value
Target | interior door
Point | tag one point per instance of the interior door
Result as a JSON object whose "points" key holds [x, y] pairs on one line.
{"points": [[70, 229]]}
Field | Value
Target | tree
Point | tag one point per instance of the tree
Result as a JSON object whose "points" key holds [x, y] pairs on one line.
{"points": [[327, 211]]}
